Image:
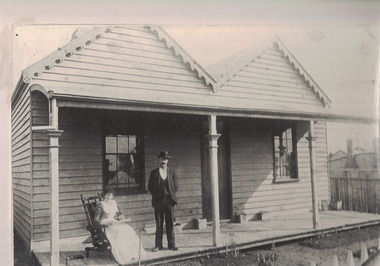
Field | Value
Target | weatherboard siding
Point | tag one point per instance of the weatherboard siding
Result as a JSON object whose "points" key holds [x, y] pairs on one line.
{"points": [[21, 167], [40, 162], [252, 171], [128, 58], [271, 79], [81, 155], [40, 109], [80, 171]]}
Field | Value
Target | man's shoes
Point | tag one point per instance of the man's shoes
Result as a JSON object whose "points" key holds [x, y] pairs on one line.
{"points": [[173, 248], [157, 249]]}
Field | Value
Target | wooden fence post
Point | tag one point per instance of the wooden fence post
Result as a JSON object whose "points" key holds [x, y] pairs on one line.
{"points": [[350, 259], [335, 261], [363, 253]]}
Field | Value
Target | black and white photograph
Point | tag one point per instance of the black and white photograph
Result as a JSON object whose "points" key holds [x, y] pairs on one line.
{"points": [[234, 143]]}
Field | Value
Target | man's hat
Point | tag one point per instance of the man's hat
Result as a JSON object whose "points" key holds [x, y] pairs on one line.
{"points": [[164, 154]]}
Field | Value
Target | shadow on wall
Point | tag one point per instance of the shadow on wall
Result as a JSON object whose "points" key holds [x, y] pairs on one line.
{"points": [[252, 164]]}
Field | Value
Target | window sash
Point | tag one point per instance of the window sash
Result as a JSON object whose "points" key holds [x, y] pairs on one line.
{"points": [[285, 155], [124, 155]]}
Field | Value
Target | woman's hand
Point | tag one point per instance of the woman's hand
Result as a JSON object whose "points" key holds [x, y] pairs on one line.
{"points": [[108, 221]]}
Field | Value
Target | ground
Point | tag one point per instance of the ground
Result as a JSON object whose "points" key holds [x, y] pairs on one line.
{"points": [[318, 249], [21, 256]]}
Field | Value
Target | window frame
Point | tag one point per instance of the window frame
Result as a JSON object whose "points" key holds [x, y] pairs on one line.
{"points": [[277, 132], [141, 188]]}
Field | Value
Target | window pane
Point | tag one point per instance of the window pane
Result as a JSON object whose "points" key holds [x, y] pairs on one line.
{"points": [[133, 169], [110, 173], [122, 144], [289, 133], [123, 160], [122, 171], [132, 144], [284, 157], [112, 162], [276, 143], [111, 144]]}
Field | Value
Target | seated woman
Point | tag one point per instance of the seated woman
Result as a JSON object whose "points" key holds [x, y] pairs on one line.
{"points": [[123, 239]]}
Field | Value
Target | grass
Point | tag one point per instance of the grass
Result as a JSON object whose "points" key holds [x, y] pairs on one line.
{"points": [[328, 241], [267, 257], [234, 258]]}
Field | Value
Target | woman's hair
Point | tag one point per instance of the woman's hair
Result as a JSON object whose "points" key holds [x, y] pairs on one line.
{"points": [[109, 190]]}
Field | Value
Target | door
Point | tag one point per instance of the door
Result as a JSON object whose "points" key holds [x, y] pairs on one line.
{"points": [[224, 172]]}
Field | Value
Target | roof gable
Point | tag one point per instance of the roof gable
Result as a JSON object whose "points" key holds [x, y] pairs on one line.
{"points": [[122, 57], [338, 155], [142, 67], [270, 60]]}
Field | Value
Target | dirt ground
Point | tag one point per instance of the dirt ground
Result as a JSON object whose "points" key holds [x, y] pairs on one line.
{"points": [[320, 250], [21, 256]]}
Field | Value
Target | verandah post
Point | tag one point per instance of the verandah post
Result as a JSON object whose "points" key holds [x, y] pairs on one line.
{"points": [[54, 195], [311, 138], [213, 150]]}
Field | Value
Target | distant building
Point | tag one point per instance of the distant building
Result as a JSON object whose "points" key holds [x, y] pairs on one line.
{"points": [[364, 161]]}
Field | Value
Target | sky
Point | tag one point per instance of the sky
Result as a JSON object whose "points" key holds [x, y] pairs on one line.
{"points": [[336, 41]]}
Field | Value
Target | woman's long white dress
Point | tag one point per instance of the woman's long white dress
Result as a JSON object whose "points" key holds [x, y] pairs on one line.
{"points": [[124, 241]]}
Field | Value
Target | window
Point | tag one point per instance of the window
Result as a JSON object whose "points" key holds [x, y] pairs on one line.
{"points": [[285, 154], [123, 165]]}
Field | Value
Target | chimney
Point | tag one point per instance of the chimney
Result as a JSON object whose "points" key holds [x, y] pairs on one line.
{"points": [[376, 146], [350, 157]]}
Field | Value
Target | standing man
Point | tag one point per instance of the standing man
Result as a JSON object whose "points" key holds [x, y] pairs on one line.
{"points": [[163, 186]]}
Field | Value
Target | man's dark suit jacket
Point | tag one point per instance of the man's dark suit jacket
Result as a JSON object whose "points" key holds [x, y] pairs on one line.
{"points": [[154, 185]]}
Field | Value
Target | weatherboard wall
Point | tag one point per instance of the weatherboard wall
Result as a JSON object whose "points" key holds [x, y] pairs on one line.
{"points": [[81, 156], [270, 80], [21, 166], [127, 61], [253, 189]]}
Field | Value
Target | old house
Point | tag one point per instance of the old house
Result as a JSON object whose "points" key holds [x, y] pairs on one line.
{"points": [[248, 133]]}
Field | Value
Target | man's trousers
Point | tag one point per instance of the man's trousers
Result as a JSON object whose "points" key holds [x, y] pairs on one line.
{"points": [[161, 212]]}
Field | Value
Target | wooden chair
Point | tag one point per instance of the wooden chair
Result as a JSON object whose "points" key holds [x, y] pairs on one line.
{"points": [[98, 233]]}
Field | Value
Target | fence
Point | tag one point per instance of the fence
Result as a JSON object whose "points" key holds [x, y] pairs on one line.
{"points": [[359, 190], [365, 258]]}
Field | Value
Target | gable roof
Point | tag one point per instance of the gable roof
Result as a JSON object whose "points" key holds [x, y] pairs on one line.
{"points": [[151, 40], [227, 70], [338, 155], [142, 67], [366, 160]]}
